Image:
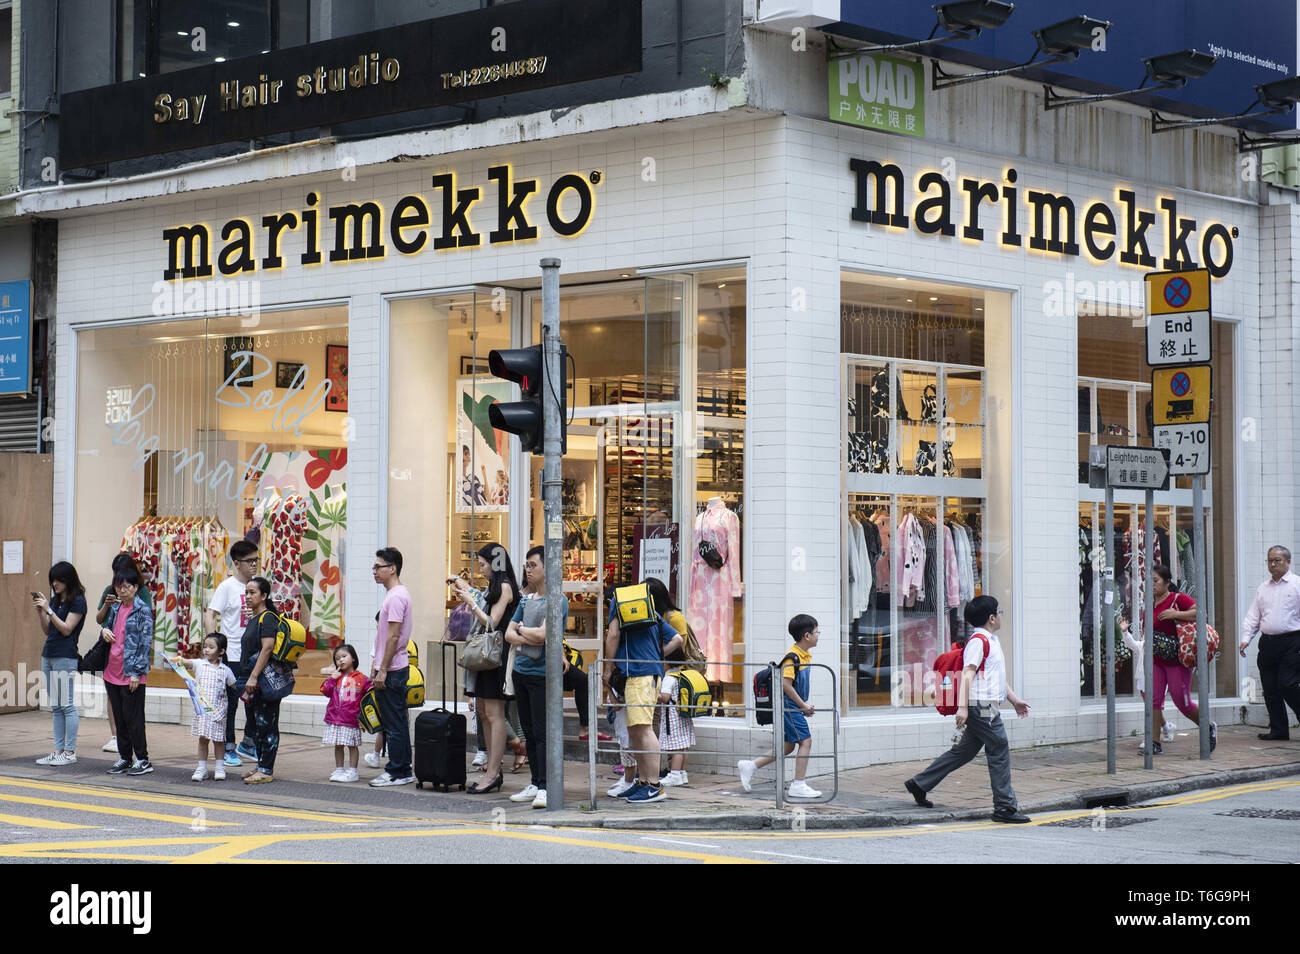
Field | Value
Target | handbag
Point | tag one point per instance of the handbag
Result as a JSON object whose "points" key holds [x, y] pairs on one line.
{"points": [[710, 555], [1187, 644], [1165, 645], [96, 658], [274, 683], [460, 623], [483, 651]]}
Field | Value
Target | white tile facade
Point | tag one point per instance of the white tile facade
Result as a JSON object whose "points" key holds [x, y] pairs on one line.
{"points": [[776, 191]]}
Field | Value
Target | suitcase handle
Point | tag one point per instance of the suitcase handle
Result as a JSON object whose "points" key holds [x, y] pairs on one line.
{"points": [[454, 702]]}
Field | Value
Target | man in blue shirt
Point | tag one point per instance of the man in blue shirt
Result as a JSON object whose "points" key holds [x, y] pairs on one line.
{"points": [[638, 652]]}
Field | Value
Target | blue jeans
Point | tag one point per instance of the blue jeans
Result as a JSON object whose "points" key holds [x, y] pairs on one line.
{"points": [[60, 674], [397, 727]]}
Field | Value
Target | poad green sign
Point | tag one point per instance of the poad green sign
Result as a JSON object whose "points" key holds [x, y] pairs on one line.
{"points": [[878, 92]]}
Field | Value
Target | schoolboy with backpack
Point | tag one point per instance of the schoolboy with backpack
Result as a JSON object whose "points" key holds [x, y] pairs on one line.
{"points": [[795, 690], [981, 685]]}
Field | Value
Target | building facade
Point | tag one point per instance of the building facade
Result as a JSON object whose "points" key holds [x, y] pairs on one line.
{"points": [[866, 367]]}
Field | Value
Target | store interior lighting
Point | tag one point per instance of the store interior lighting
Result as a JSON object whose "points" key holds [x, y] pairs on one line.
{"points": [[1166, 71], [1058, 43], [962, 20]]}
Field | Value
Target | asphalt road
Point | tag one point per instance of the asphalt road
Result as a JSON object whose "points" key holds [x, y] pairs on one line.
{"points": [[43, 822]]}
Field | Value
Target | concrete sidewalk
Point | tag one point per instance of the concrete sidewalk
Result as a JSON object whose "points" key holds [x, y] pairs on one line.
{"points": [[1051, 778]]}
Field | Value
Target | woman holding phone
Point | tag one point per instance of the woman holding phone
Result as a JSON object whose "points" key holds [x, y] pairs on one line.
{"points": [[258, 641], [107, 600], [61, 617], [128, 629]]}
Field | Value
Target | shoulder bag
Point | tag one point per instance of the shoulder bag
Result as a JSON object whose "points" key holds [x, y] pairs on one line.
{"points": [[274, 682], [483, 650]]}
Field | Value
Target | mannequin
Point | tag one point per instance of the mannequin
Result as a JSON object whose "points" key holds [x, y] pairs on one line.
{"points": [[713, 591]]}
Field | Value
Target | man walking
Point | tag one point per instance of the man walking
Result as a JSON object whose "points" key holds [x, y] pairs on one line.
{"points": [[1275, 615], [228, 615], [979, 723], [392, 667]]}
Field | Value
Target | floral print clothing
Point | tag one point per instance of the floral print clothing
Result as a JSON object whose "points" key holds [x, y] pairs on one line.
{"points": [[713, 592]]}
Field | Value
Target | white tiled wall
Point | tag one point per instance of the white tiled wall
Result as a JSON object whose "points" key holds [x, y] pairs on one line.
{"points": [[776, 191]]}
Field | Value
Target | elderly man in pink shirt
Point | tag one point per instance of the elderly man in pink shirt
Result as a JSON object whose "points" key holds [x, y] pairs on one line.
{"points": [[1275, 615]]}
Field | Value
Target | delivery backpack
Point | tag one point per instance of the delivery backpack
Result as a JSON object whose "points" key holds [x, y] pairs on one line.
{"points": [[947, 675], [694, 697], [763, 690], [290, 639], [634, 605]]}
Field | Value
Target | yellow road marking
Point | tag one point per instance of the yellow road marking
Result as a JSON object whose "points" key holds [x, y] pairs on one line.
{"points": [[23, 822], [226, 848], [103, 810], [197, 801]]}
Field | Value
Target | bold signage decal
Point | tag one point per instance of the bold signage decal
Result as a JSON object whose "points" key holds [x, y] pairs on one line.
{"points": [[1055, 222], [496, 51], [878, 92], [358, 231]]}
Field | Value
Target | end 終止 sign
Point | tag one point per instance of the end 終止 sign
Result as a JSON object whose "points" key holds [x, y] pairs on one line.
{"points": [[1178, 317]]}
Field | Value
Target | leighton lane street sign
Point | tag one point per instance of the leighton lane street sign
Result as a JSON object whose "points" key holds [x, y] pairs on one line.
{"points": [[1137, 468]]}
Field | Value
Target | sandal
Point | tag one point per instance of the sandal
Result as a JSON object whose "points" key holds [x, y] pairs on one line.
{"points": [[521, 761], [257, 778]]}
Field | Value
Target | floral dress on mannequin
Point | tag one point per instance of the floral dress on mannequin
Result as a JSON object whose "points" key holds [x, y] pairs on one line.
{"points": [[713, 591]]}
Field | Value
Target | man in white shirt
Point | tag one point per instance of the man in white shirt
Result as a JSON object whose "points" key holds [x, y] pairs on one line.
{"points": [[979, 723], [228, 615], [1275, 615]]}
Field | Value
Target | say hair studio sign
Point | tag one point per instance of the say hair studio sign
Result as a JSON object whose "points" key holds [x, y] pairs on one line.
{"points": [[496, 51]]}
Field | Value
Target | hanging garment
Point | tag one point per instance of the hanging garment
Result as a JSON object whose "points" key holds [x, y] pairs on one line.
{"points": [[885, 554], [322, 567], [909, 561], [288, 523], [952, 584], [713, 592]]}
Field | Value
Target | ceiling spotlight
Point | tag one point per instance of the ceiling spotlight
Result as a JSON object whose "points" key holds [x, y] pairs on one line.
{"points": [[219, 59], [232, 23], [1167, 71], [934, 298], [722, 285], [1057, 43]]}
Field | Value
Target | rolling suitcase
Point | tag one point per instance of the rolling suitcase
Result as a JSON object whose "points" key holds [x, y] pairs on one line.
{"points": [[439, 750]]}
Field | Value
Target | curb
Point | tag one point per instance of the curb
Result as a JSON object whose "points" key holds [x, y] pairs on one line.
{"points": [[1110, 797]]}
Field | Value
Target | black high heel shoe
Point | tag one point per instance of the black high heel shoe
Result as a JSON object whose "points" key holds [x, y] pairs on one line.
{"points": [[477, 789]]}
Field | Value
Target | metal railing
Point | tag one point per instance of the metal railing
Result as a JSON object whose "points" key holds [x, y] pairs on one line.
{"points": [[595, 685]]}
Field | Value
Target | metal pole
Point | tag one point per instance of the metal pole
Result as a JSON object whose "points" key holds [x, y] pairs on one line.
{"points": [[1148, 631], [552, 381], [1108, 627], [594, 684], [778, 733], [1202, 668]]}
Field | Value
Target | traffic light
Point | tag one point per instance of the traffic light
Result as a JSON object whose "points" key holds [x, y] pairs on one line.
{"points": [[525, 367]]}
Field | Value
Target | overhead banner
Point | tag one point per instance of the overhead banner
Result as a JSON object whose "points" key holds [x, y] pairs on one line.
{"points": [[1256, 43], [496, 51]]}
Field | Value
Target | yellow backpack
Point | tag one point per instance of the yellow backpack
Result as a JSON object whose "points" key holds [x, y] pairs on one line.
{"points": [[368, 716], [634, 605], [414, 687], [694, 697], [290, 639]]}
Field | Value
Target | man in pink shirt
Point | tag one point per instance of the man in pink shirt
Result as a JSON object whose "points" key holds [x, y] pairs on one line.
{"points": [[392, 667], [1275, 614]]}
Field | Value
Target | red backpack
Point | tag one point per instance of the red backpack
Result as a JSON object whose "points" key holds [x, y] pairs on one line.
{"points": [[947, 675]]}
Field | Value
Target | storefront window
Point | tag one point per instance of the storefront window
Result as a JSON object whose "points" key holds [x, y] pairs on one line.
{"points": [[1115, 408], [926, 461], [449, 476], [194, 434]]}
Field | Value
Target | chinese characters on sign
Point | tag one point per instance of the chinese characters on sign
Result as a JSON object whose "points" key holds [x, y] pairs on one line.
{"points": [[15, 337], [878, 92]]}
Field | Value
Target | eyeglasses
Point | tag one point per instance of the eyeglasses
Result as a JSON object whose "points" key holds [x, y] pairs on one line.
{"points": [[381, 566], [249, 562]]}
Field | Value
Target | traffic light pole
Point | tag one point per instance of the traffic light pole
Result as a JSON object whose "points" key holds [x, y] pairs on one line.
{"points": [[553, 521]]}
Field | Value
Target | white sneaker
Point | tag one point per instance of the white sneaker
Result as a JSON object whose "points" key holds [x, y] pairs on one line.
{"points": [[199, 775], [540, 800], [54, 758], [372, 759], [620, 787], [349, 775], [480, 758], [673, 778], [746, 768], [1167, 733], [385, 780], [801, 789], [110, 745], [337, 774], [527, 795], [69, 758], [220, 773]]}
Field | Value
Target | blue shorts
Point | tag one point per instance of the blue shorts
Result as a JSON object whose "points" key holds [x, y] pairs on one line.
{"points": [[796, 726]]}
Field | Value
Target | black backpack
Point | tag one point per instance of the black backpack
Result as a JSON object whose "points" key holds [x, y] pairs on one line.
{"points": [[763, 690]]}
